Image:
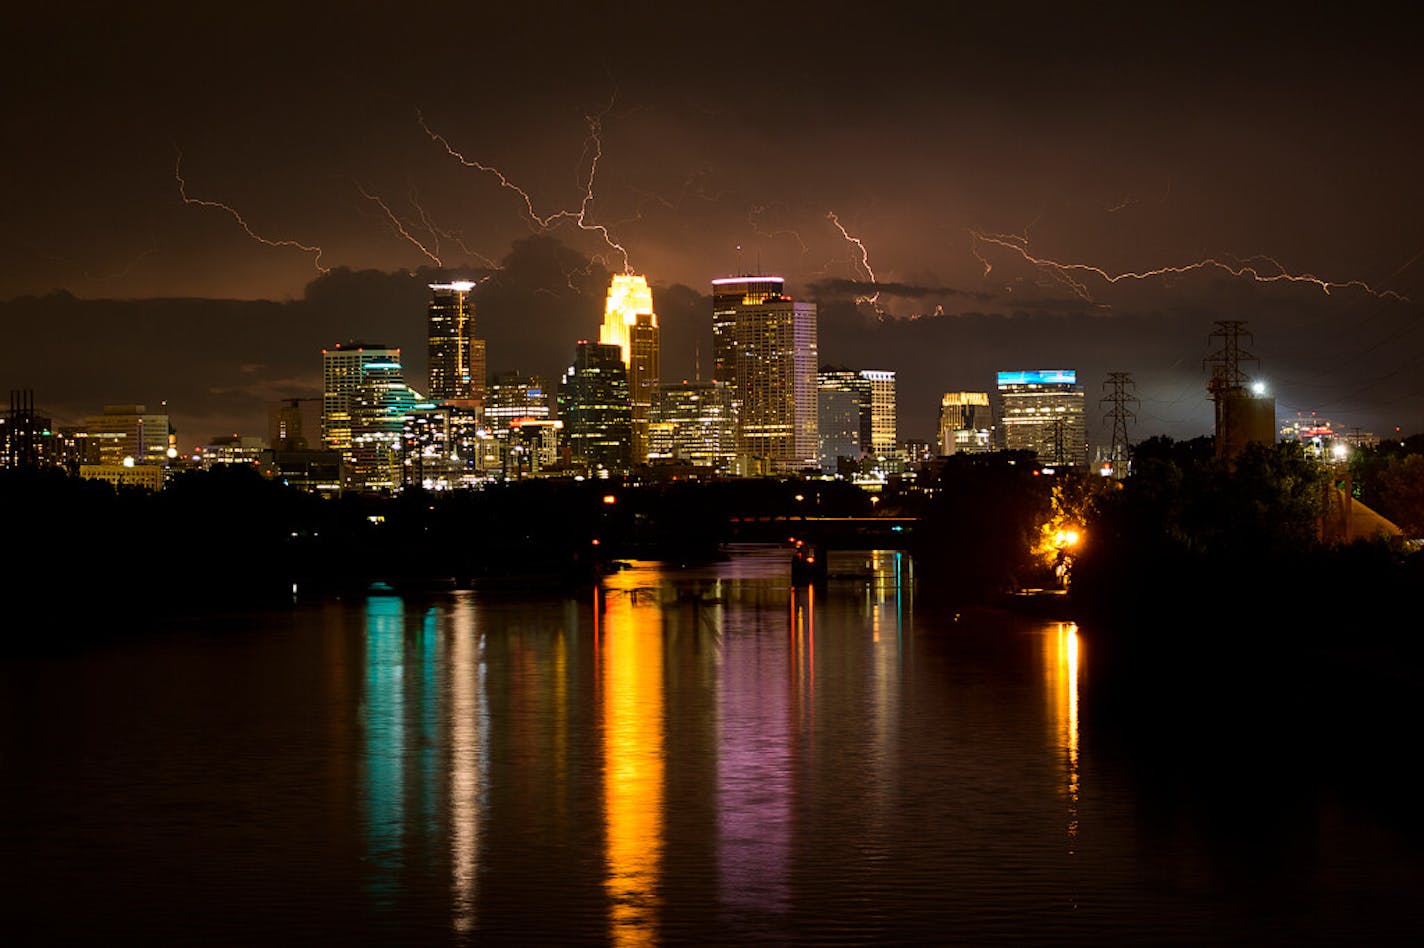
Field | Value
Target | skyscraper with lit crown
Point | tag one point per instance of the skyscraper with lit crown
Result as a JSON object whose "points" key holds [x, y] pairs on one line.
{"points": [[765, 347], [457, 358], [630, 323], [1042, 412]]}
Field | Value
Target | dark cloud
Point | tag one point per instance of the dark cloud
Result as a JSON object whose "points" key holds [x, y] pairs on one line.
{"points": [[218, 363], [1125, 137]]}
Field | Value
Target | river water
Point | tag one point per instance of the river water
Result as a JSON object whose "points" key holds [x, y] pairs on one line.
{"points": [[679, 755]]}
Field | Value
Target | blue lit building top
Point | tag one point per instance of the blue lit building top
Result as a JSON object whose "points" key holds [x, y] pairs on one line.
{"points": [[1039, 377]]}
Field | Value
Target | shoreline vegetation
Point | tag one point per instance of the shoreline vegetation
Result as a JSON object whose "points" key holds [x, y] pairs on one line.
{"points": [[1187, 544]]}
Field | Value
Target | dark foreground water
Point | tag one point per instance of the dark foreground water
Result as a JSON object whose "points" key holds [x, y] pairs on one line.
{"points": [[682, 756]]}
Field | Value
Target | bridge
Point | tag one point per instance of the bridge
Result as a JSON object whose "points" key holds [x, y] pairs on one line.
{"points": [[834, 533], [813, 537]]}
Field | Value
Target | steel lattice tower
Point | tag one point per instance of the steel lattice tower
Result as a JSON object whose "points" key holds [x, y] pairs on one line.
{"points": [[1226, 373], [1226, 361], [1118, 413]]}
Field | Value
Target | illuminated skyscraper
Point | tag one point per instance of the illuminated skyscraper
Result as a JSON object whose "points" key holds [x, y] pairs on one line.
{"points": [[342, 374], [841, 400], [380, 409], [514, 396], [882, 412], [594, 407], [727, 297], [694, 424], [766, 349], [630, 324], [964, 423], [856, 415], [457, 358], [1042, 412]]}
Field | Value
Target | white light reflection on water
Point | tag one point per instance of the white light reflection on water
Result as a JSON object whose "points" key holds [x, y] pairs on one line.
{"points": [[469, 765]]}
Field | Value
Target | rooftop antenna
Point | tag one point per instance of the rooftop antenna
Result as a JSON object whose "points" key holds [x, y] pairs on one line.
{"points": [[741, 268], [697, 360]]}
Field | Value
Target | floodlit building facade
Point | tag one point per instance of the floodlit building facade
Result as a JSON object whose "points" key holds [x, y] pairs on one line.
{"points": [[1042, 411], [630, 324]]}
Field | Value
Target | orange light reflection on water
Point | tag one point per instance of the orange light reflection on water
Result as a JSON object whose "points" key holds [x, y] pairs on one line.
{"points": [[635, 758], [1062, 670]]}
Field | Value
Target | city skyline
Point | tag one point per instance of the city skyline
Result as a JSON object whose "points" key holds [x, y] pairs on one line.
{"points": [[1057, 194]]}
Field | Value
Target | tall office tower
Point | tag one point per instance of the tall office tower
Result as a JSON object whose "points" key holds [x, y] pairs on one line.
{"points": [[692, 423], [595, 409], [457, 358], [883, 441], [727, 296], [342, 374], [766, 349], [1042, 412], [513, 396], [128, 431], [964, 423], [841, 417], [630, 324], [380, 408]]}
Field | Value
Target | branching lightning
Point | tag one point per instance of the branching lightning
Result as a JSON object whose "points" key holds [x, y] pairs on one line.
{"points": [[200, 202], [438, 233], [754, 221], [580, 216], [864, 261], [1252, 268], [399, 225]]}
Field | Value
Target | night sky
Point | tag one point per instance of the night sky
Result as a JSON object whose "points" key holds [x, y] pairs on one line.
{"points": [[1285, 138]]}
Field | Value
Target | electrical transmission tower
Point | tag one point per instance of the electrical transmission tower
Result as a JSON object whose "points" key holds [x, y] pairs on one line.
{"points": [[1226, 361], [1119, 414], [1227, 379]]}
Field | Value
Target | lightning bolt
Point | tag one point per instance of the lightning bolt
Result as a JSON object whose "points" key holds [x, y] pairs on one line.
{"points": [[580, 215], [1249, 268], [413, 196], [200, 202], [398, 224], [754, 218], [438, 233], [864, 261]]}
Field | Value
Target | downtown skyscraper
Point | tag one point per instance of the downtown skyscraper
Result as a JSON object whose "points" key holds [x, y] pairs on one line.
{"points": [[630, 324], [765, 348], [457, 358], [595, 409], [1042, 412]]}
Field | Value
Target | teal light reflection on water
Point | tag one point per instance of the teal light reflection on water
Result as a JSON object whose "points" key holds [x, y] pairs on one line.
{"points": [[384, 730]]}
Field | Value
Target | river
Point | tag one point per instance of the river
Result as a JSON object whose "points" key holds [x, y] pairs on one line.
{"points": [[694, 755]]}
